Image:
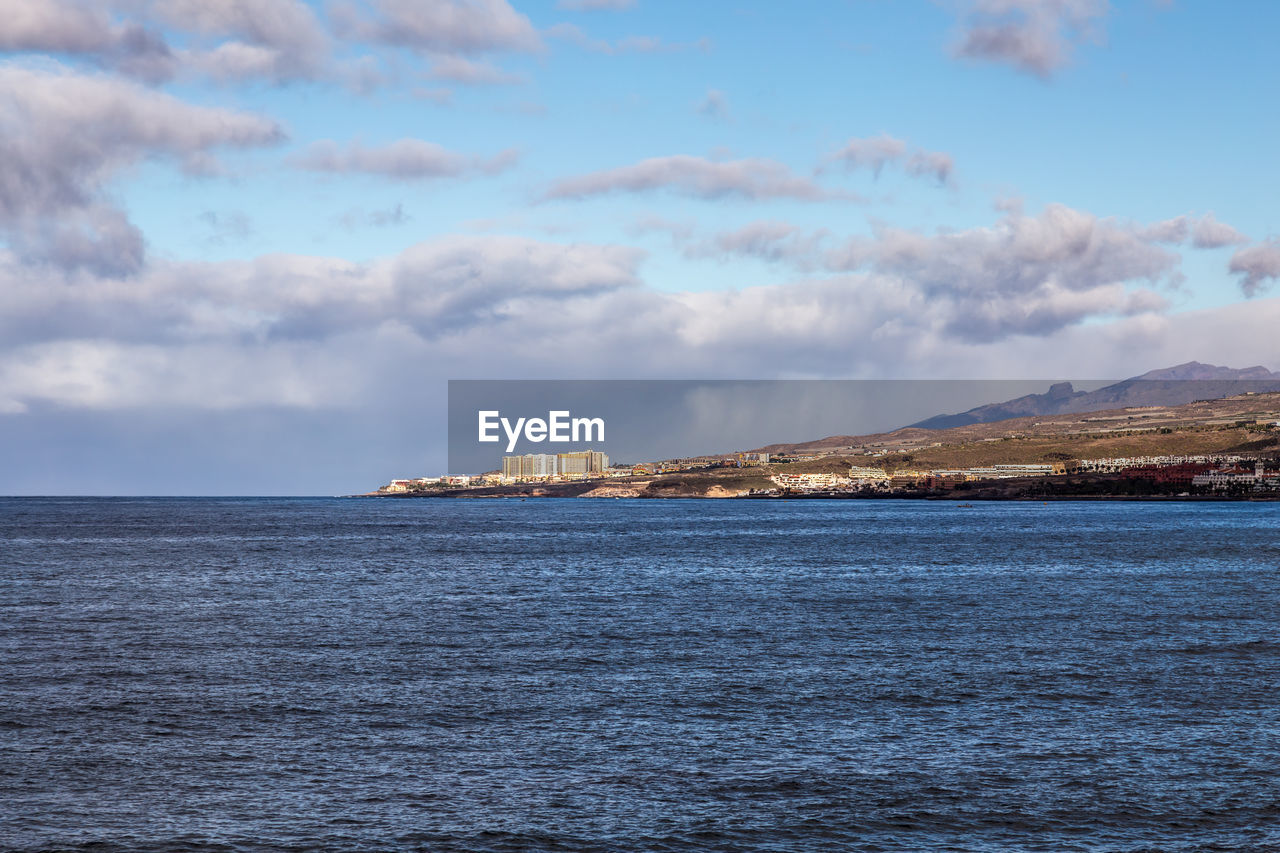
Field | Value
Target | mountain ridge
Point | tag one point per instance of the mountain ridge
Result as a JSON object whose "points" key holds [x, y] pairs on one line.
{"points": [[1167, 386]]}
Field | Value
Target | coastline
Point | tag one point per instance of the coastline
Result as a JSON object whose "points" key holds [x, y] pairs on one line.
{"points": [[1002, 494]]}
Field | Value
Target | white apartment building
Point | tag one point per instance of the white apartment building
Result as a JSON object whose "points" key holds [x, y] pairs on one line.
{"points": [[529, 466]]}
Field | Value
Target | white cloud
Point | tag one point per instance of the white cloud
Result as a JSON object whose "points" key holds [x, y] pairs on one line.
{"points": [[876, 152], [1034, 36], [594, 5], [1022, 275], [627, 44], [442, 27], [457, 69], [88, 30], [1257, 265], [766, 240], [228, 40], [1209, 233], [1025, 275], [753, 178], [280, 40], [1202, 232], [64, 136], [288, 331], [404, 158], [482, 304], [870, 153]]}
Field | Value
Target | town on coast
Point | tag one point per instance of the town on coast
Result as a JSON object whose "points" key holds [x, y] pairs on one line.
{"points": [[1178, 476], [1224, 448]]}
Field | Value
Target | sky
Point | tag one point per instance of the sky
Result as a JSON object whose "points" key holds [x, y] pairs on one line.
{"points": [[244, 244]]}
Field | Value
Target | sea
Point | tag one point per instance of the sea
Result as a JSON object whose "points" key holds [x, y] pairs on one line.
{"points": [[360, 674]]}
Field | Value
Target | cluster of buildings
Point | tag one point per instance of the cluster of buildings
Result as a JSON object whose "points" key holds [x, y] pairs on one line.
{"points": [[559, 467], [702, 463], [862, 477], [554, 466], [1204, 473], [1208, 473], [1239, 477], [569, 466], [419, 483], [1121, 464]]}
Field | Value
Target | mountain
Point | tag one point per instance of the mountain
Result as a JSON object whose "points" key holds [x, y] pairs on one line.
{"points": [[1169, 386], [1194, 371]]}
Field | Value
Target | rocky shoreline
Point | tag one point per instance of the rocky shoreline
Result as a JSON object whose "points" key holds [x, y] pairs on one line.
{"points": [[1072, 487]]}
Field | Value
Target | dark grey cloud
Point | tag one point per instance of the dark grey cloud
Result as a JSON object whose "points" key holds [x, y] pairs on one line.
{"points": [[876, 152], [63, 136], [1257, 265], [753, 178], [404, 159], [1034, 36]]}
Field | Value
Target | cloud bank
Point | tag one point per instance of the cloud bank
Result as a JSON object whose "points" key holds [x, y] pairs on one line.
{"points": [[309, 331]]}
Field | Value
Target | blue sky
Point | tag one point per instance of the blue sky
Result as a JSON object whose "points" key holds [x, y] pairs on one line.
{"points": [[1157, 114], [297, 214]]}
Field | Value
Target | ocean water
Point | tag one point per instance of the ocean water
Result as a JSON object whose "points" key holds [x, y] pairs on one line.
{"points": [[352, 675]]}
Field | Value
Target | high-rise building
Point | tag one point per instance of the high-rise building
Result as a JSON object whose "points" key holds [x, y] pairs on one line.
{"points": [[582, 462], [511, 467], [540, 464], [529, 466]]}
